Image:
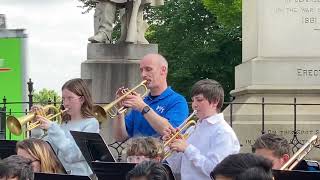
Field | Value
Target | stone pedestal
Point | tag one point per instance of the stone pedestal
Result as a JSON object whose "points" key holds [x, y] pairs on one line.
{"points": [[281, 60], [109, 67]]}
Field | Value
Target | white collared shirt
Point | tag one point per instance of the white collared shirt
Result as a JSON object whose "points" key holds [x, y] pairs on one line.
{"points": [[211, 141]]}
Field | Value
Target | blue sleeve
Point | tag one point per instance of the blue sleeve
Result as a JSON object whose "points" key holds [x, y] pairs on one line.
{"points": [[129, 123], [178, 112]]}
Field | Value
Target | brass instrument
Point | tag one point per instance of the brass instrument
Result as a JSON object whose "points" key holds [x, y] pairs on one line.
{"points": [[188, 123], [301, 153], [15, 125], [112, 108]]}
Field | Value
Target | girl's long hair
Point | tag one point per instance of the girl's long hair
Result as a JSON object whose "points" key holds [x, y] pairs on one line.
{"points": [[42, 151], [79, 87]]}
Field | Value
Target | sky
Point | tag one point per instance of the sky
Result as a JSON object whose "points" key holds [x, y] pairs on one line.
{"points": [[57, 38]]}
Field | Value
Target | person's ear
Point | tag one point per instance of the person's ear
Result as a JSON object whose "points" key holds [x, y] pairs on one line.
{"points": [[163, 70], [81, 99], [214, 103]]}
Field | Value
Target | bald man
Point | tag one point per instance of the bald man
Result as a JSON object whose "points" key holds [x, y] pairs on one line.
{"points": [[162, 108]]}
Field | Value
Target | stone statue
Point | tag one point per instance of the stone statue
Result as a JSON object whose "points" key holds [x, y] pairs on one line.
{"points": [[133, 27]]}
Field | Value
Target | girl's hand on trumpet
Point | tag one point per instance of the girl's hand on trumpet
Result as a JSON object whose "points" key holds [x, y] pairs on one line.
{"points": [[44, 122], [40, 117], [38, 110]]}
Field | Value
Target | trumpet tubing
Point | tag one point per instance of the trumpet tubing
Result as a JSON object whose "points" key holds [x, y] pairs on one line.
{"points": [[301, 153], [112, 109], [15, 125], [188, 123]]}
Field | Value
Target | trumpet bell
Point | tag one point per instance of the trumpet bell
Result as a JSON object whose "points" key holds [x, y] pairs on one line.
{"points": [[14, 125], [99, 113]]}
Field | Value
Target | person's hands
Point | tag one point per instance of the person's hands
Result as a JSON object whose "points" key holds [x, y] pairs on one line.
{"points": [[168, 133], [44, 122], [179, 145], [37, 110], [40, 117], [135, 101]]}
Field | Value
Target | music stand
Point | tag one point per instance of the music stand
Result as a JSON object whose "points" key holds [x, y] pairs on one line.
{"points": [[112, 170], [93, 147], [7, 148], [48, 176], [296, 175]]}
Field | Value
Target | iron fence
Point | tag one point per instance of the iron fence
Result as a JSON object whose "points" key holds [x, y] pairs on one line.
{"points": [[119, 146]]}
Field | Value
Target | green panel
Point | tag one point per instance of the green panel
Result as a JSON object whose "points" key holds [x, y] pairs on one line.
{"points": [[11, 77]]}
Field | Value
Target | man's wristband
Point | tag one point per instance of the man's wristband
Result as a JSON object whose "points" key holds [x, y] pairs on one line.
{"points": [[145, 110]]}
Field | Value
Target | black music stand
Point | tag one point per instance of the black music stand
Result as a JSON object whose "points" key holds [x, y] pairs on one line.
{"points": [[111, 170], [118, 170], [47, 176], [296, 175], [7, 148], [93, 147]]}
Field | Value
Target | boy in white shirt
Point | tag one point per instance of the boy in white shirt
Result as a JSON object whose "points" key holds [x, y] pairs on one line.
{"points": [[212, 139]]}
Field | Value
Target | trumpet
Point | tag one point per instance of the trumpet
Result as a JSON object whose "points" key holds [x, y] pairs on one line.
{"points": [[15, 125], [301, 153], [188, 123], [112, 109]]}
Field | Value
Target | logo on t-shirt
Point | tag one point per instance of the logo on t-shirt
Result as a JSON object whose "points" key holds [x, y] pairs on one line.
{"points": [[160, 109]]}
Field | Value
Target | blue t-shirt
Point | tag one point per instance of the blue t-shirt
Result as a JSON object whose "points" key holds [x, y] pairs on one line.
{"points": [[169, 105]]}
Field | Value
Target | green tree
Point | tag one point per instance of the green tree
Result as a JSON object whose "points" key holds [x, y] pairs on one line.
{"points": [[196, 45], [197, 40], [228, 12], [44, 95]]}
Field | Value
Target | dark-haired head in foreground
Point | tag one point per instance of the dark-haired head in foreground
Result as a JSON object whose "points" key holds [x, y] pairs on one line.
{"points": [[243, 166], [148, 170], [273, 147], [16, 168]]}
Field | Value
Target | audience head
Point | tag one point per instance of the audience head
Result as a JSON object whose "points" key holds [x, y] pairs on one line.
{"points": [[274, 148], [16, 168], [148, 170], [41, 155], [243, 166], [144, 148]]}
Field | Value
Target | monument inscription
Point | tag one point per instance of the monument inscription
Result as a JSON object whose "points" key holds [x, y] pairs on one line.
{"points": [[290, 28]]}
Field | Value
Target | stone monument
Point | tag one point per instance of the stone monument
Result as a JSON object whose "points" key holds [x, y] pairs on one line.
{"points": [[280, 62], [111, 66]]}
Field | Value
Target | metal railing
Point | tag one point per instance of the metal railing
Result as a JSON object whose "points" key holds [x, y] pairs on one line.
{"points": [[119, 146]]}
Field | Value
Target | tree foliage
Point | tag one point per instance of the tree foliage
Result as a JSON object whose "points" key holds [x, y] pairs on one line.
{"points": [[196, 45], [228, 12], [43, 96], [200, 39]]}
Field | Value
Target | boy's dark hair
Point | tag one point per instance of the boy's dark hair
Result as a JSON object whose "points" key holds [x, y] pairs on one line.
{"points": [[244, 166], [211, 90], [278, 144], [16, 166], [152, 170]]}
